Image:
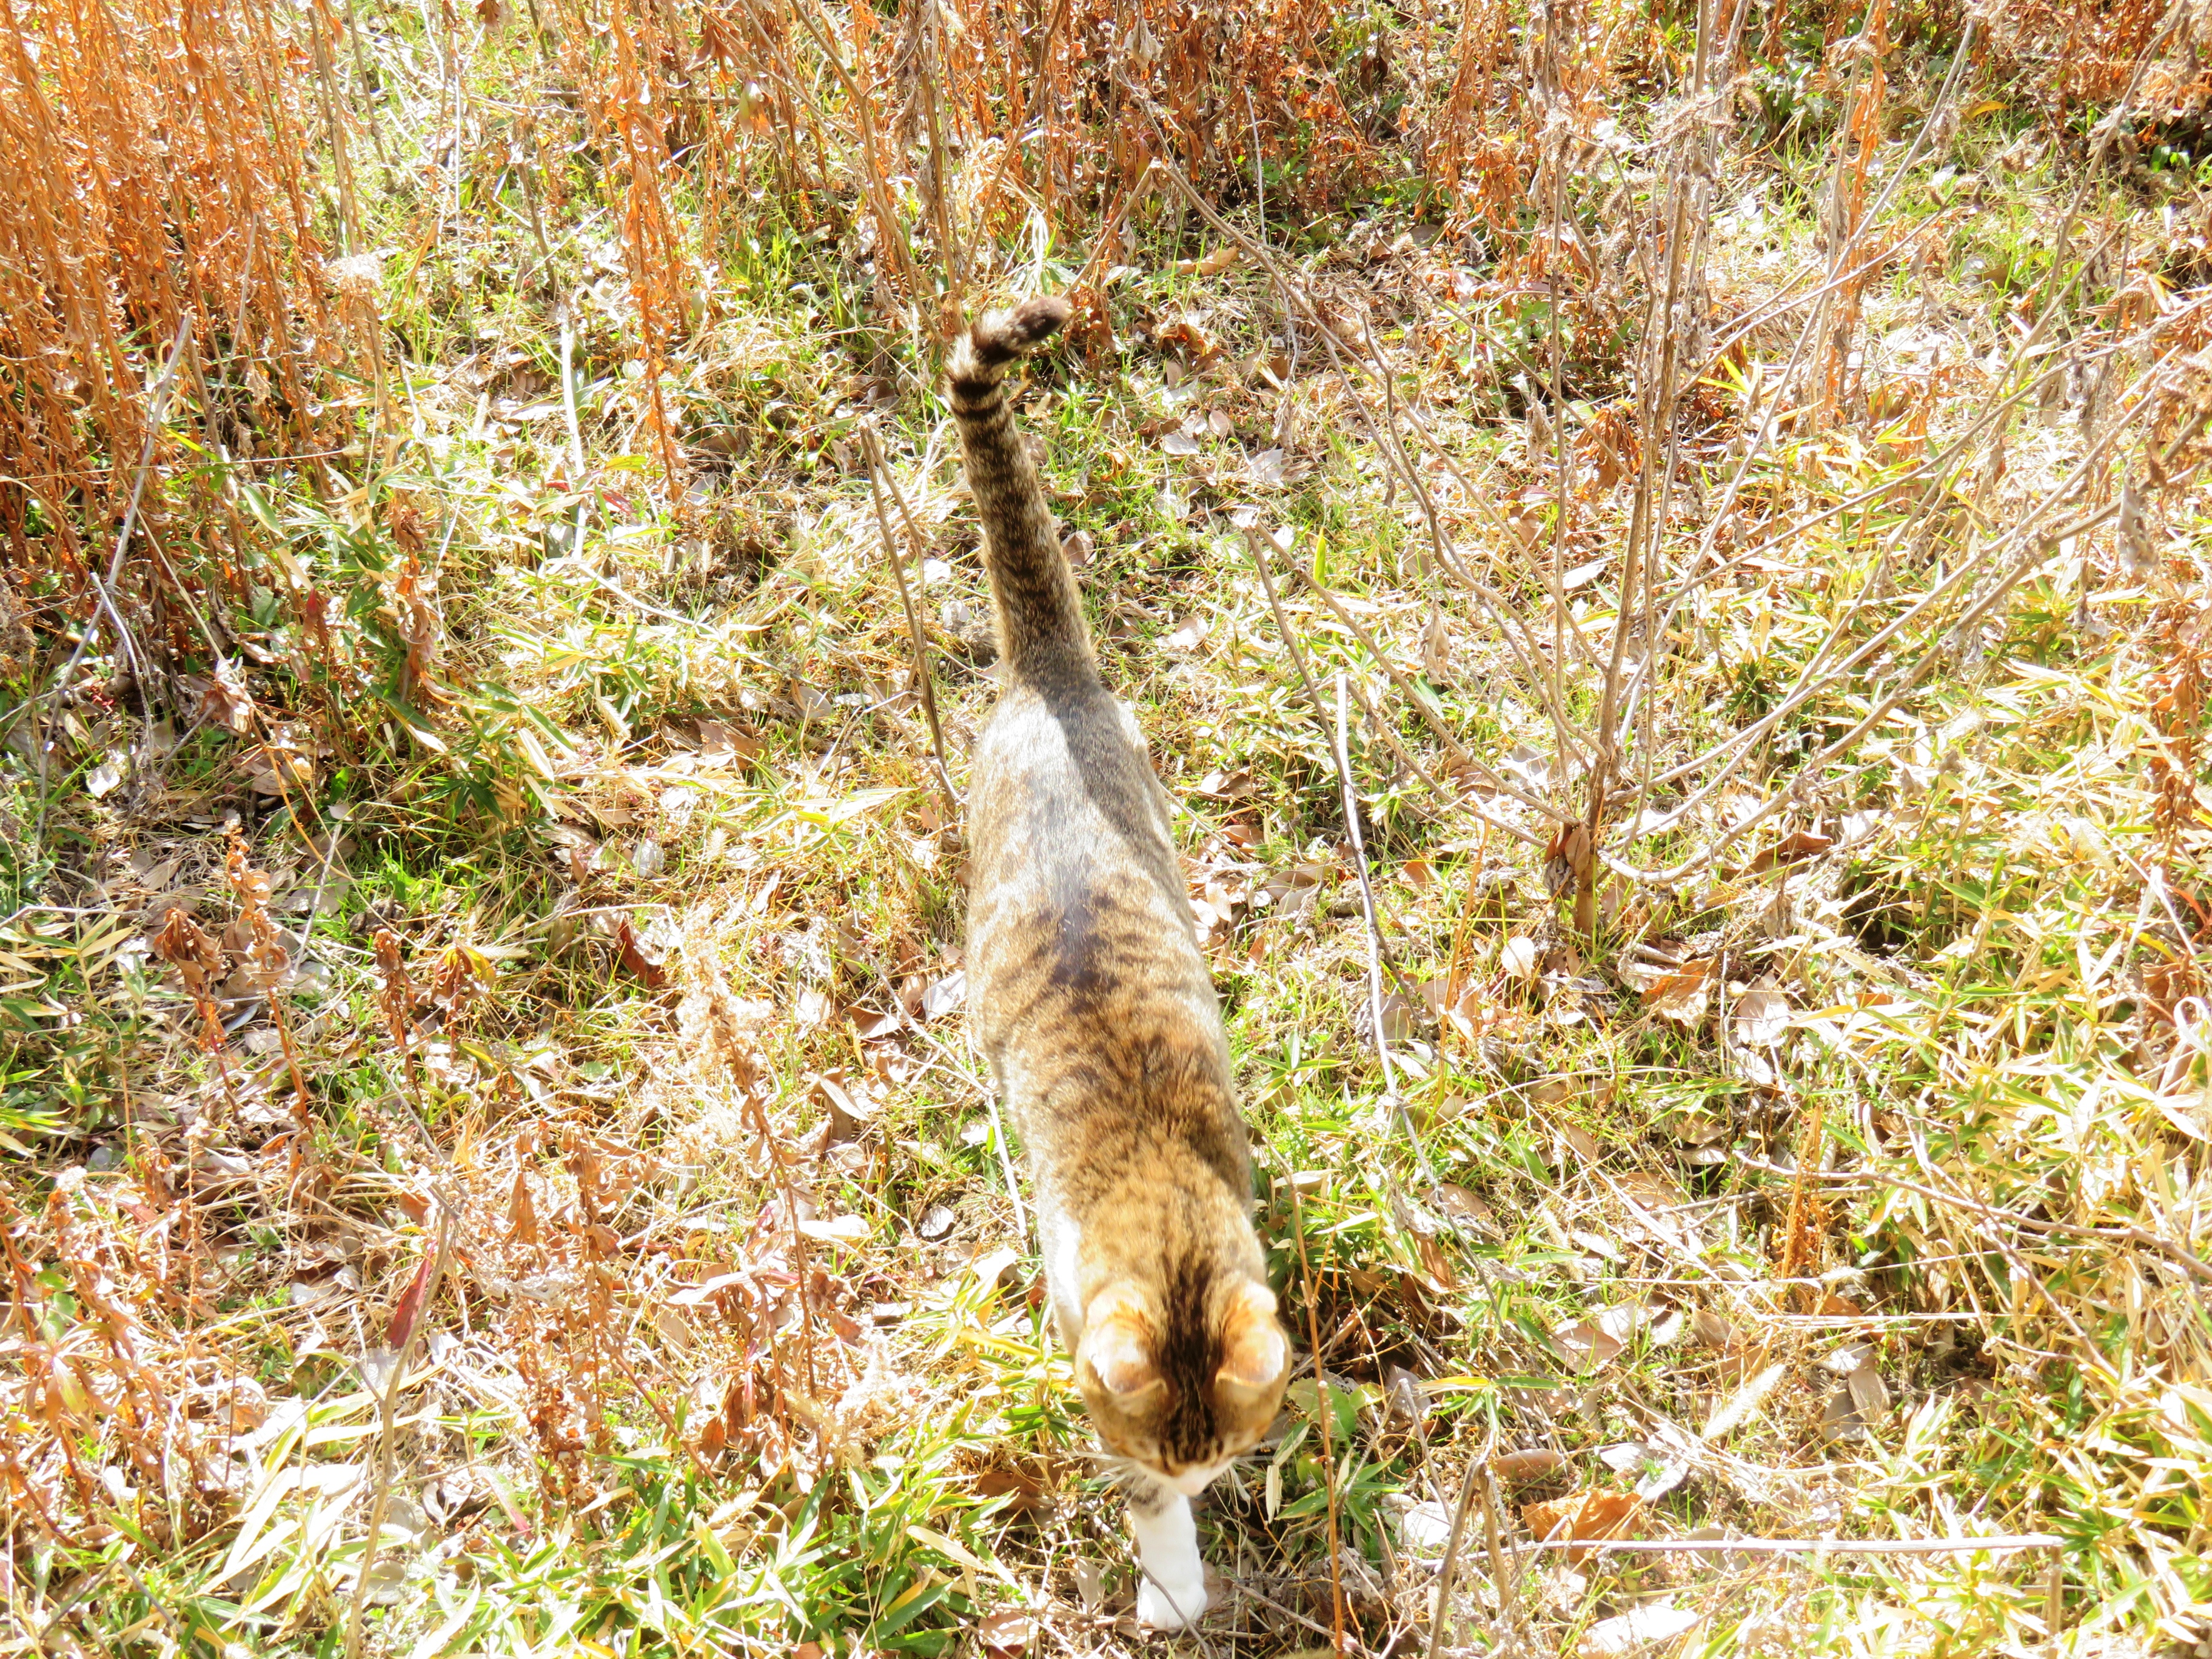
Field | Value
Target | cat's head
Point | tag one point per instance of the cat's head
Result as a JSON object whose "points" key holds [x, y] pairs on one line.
{"points": [[1182, 1388]]}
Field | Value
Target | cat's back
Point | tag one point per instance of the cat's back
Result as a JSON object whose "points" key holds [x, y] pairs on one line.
{"points": [[1068, 822], [1090, 996], [1078, 922]]}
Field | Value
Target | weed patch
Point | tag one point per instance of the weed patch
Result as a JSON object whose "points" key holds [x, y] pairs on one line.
{"points": [[494, 1163]]}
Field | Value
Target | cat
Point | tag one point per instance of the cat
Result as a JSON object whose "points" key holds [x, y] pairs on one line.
{"points": [[1095, 1008]]}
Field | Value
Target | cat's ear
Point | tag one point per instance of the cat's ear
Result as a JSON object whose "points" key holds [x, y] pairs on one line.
{"points": [[1117, 1343], [1255, 1353]]}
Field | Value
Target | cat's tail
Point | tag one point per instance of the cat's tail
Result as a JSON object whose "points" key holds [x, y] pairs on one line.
{"points": [[1040, 618]]}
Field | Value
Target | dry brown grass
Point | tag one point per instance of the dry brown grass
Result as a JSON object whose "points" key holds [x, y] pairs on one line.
{"points": [[158, 158], [481, 889]]}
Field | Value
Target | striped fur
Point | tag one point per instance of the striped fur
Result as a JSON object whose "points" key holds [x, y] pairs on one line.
{"points": [[1096, 1007], [1040, 616]]}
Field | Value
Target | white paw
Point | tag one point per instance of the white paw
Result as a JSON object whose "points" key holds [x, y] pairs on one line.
{"points": [[1172, 1607]]}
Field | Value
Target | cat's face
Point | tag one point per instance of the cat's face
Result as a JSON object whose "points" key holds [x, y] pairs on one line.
{"points": [[1182, 1392]]}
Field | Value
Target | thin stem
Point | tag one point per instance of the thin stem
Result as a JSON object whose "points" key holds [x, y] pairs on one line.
{"points": [[387, 1407], [1321, 1410], [878, 470], [1391, 1096]]}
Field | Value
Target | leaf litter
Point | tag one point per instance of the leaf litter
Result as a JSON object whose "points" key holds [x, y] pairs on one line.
{"points": [[1893, 1147]]}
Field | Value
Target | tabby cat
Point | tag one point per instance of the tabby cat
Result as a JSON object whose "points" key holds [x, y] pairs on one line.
{"points": [[1098, 1014]]}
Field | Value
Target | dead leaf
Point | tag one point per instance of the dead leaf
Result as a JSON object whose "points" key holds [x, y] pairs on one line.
{"points": [[996, 1267], [1588, 1515], [1839, 1419], [869, 1024], [1436, 1263], [1852, 1357], [943, 996], [1462, 1008], [1859, 1394], [1402, 1394], [1397, 1018], [1658, 1468], [1266, 471], [1797, 844], [1188, 635], [709, 1397], [1551, 1091], [720, 742], [1519, 957], [1193, 340], [1007, 1631], [1220, 259], [225, 702], [522, 1214], [1425, 1529], [1643, 962], [673, 1327], [1702, 1135], [851, 1111], [1533, 1463], [1653, 1192], [1090, 1585], [1711, 1329], [840, 1229], [1596, 1338], [1681, 997], [648, 960], [1024, 1493], [1462, 1205], [693, 1296], [1868, 1392], [1595, 1244], [409, 1306], [1436, 648], [1762, 1013], [1638, 1628]]}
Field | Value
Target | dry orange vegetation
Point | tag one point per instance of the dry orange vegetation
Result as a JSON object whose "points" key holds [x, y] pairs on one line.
{"points": [[492, 634]]}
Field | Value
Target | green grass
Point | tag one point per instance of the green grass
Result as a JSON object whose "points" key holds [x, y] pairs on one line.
{"points": [[653, 820]]}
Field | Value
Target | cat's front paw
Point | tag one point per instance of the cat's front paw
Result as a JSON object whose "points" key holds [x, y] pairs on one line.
{"points": [[1173, 1607]]}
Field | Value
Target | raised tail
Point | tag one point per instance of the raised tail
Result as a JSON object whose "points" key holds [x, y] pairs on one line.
{"points": [[1040, 618]]}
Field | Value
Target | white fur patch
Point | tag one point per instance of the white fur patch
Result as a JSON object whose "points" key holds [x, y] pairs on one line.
{"points": [[1191, 1482], [1173, 1593], [1061, 1244], [1067, 1251]]}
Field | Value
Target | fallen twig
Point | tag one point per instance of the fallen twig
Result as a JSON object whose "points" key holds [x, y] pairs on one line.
{"points": [[2025, 1540]]}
